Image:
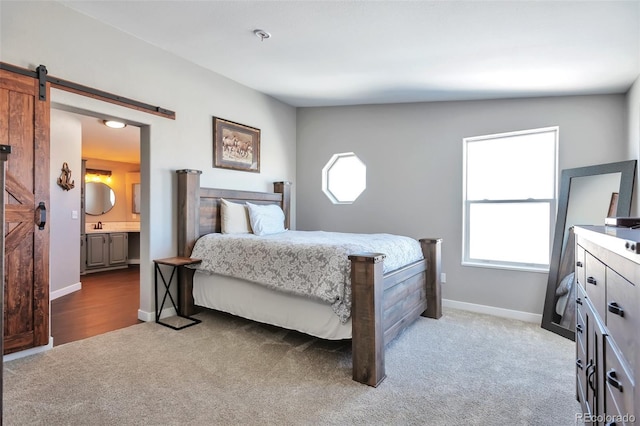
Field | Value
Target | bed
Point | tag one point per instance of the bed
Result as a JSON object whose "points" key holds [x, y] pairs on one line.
{"points": [[382, 303]]}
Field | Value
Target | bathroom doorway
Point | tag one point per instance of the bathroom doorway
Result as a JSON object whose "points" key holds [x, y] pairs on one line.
{"points": [[105, 296]]}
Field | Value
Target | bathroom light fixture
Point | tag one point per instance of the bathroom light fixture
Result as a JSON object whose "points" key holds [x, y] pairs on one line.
{"points": [[98, 172], [114, 124], [97, 175], [262, 34]]}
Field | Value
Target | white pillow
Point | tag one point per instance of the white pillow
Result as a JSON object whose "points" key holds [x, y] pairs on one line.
{"points": [[235, 218], [266, 219]]}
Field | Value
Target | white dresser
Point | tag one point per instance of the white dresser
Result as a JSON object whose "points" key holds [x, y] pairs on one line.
{"points": [[607, 323]]}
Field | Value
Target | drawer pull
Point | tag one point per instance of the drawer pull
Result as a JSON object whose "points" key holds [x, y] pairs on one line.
{"points": [[579, 264], [579, 300], [579, 328], [613, 381], [591, 280], [614, 308], [579, 364]]}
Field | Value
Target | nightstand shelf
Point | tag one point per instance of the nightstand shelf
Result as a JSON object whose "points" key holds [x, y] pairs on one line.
{"points": [[176, 264]]}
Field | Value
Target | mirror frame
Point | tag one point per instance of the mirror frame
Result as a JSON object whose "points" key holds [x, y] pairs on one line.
{"points": [[86, 211], [627, 170]]}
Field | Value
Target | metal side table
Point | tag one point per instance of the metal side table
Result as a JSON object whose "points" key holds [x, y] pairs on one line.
{"points": [[176, 264]]}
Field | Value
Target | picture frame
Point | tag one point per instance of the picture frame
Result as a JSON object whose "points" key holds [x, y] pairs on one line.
{"points": [[613, 205], [235, 146], [135, 198]]}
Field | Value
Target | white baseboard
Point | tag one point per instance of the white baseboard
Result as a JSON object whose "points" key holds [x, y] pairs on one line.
{"points": [[27, 352], [151, 316], [492, 310], [66, 290], [146, 316], [454, 304]]}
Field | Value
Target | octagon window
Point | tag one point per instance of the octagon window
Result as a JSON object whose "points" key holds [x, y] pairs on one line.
{"points": [[344, 178]]}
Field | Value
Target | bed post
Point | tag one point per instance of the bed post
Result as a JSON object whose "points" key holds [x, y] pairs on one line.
{"points": [[188, 233], [284, 188], [432, 251], [367, 336]]}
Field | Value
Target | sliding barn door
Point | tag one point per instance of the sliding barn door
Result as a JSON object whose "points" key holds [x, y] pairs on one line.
{"points": [[24, 125]]}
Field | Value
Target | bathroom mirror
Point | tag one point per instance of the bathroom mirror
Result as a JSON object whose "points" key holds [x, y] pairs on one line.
{"points": [[587, 196], [99, 198]]}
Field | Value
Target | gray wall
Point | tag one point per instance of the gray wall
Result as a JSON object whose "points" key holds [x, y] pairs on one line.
{"points": [[77, 48], [66, 146], [413, 151], [413, 154]]}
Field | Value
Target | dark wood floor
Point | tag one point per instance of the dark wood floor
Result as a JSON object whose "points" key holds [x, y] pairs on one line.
{"points": [[107, 301]]}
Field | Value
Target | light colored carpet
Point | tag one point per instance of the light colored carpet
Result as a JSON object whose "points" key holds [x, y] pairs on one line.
{"points": [[464, 369]]}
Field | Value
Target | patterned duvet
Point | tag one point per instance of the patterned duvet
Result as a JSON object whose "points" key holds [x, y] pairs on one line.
{"points": [[314, 264]]}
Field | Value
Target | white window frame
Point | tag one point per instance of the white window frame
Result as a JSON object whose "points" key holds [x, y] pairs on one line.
{"points": [[466, 205], [327, 179]]}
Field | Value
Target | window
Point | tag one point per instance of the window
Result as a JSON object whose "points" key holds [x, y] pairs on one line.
{"points": [[344, 178], [510, 191]]}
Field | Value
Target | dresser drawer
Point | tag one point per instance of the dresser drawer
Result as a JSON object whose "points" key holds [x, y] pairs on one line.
{"points": [[581, 330], [595, 283], [619, 386], [580, 276], [622, 315], [582, 364], [581, 319], [582, 368], [615, 417]]}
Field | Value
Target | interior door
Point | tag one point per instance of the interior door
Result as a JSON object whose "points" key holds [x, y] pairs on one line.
{"points": [[24, 125]]}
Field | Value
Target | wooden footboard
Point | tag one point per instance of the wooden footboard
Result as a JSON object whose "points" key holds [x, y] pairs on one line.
{"points": [[382, 305]]}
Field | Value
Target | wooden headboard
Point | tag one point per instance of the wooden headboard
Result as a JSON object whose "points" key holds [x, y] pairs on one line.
{"points": [[199, 208]]}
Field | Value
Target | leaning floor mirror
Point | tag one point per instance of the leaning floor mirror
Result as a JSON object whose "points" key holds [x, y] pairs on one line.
{"points": [[587, 196]]}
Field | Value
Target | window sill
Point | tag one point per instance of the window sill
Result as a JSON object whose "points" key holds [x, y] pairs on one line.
{"points": [[523, 268]]}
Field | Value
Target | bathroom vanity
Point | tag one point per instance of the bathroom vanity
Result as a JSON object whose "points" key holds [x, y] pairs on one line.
{"points": [[107, 242]]}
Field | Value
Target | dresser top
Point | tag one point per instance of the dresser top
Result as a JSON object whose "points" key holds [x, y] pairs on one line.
{"points": [[614, 231], [623, 241]]}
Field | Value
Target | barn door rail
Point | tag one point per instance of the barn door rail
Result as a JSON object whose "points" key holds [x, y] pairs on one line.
{"points": [[41, 74]]}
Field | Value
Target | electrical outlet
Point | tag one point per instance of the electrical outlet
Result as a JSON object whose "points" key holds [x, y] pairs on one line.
{"points": [[74, 214], [443, 277]]}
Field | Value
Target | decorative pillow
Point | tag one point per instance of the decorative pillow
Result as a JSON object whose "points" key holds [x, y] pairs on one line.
{"points": [[266, 219], [235, 218]]}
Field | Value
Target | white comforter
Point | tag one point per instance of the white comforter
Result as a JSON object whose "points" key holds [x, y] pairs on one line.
{"points": [[307, 263]]}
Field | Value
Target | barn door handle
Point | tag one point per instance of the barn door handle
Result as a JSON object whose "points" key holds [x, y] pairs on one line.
{"points": [[41, 215]]}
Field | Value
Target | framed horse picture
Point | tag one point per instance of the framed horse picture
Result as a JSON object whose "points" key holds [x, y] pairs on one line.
{"points": [[235, 146]]}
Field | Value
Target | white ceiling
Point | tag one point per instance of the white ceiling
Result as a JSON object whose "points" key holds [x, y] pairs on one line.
{"points": [[104, 143], [359, 52], [325, 53]]}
